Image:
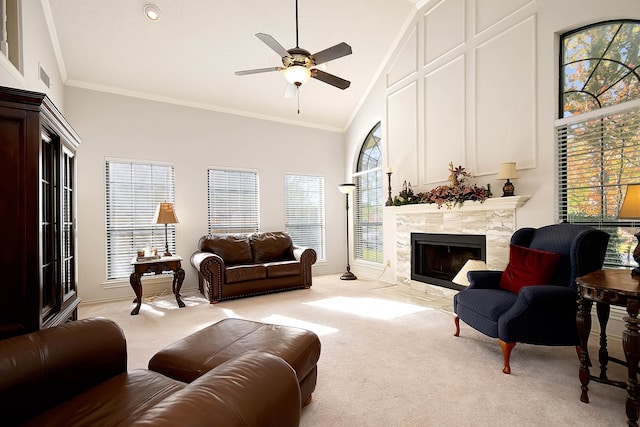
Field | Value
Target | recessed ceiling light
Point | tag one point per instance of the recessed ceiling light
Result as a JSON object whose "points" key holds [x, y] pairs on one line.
{"points": [[152, 12]]}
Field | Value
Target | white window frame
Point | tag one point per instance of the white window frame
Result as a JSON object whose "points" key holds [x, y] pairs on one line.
{"points": [[360, 226], [234, 206], [11, 37], [304, 211], [130, 208]]}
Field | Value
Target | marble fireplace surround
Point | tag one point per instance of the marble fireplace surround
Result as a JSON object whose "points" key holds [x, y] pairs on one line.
{"points": [[495, 218]]}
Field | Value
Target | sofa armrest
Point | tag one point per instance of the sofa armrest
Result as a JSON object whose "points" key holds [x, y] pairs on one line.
{"points": [[484, 279], [46, 367], [255, 389], [211, 268], [307, 257]]}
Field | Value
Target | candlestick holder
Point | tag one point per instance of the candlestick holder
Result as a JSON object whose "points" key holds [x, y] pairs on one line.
{"points": [[389, 200]]}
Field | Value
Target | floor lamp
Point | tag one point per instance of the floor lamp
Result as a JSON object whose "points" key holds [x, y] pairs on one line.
{"points": [[165, 215], [347, 189]]}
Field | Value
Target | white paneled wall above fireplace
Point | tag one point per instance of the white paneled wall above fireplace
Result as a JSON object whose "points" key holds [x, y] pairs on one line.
{"points": [[473, 90]]}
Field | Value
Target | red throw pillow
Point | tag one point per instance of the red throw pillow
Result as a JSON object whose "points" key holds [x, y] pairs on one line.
{"points": [[528, 267]]}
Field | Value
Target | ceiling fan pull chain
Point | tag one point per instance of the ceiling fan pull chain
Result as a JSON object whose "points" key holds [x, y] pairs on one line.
{"points": [[298, 95]]}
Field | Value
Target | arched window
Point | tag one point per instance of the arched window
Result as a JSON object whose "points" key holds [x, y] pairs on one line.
{"points": [[597, 132], [368, 199]]}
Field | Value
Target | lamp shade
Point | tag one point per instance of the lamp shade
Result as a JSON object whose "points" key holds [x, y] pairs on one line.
{"points": [[470, 265], [507, 171], [631, 204], [297, 74], [165, 214], [346, 188]]}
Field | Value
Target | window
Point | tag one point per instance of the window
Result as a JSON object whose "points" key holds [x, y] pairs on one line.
{"points": [[368, 199], [10, 32], [304, 211], [598, 135], [133, 192], [233, 201]]}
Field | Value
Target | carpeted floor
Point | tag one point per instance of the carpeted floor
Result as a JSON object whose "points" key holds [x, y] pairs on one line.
{"points": [[390, 361]]}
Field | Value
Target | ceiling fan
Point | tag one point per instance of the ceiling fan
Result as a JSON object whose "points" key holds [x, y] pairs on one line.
{"points": [[299, 65]]}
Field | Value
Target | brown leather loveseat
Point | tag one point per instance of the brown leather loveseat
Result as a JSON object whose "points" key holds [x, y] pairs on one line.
{"points": [[76, 374], [240, 265]]}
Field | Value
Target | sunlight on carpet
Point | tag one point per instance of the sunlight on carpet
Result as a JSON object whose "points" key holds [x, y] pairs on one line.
{"points": [[374, 308]]}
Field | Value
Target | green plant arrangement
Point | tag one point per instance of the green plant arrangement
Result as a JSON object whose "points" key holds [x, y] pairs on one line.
{"points": [[449, 195]]}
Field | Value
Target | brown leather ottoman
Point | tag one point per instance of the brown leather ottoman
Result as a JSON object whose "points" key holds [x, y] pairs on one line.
{"points": [[189, 358]]}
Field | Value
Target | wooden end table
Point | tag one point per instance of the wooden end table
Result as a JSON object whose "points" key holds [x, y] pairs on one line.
{"points": [[611, 287], [156, 266]]}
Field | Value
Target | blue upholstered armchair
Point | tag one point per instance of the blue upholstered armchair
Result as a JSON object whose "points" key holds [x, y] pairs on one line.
{"points": [[534, 300]]}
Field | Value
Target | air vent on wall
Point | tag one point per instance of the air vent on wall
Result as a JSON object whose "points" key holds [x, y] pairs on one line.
{"points": [[45, 77]]}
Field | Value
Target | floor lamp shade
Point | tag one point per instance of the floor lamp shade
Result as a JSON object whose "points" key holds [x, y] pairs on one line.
{"points": [[165, 214]]}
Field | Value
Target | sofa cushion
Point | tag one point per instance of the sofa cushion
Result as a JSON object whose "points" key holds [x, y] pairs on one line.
{"points": [[271, 246], [528, 267], [242, 273], [283, 268], [117, 401], [232, 248]]}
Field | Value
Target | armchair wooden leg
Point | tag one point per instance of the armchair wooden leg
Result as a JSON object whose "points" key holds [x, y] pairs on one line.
{"points": [[456, 321], [506, 348]]}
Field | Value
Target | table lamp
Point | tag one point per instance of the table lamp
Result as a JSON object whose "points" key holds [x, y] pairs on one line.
{"points": [[165, 215], [631, 210], [470, 265], [508, 171]]}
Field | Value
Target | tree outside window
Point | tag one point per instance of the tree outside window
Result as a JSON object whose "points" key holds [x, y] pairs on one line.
{"points": [[598, 134]]}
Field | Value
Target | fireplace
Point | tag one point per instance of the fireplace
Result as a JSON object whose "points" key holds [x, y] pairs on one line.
{"points": [[437, 258]]}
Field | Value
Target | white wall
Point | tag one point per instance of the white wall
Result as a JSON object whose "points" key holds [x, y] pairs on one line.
{"points": [[476, 82], [192, 139], [37, 52]]}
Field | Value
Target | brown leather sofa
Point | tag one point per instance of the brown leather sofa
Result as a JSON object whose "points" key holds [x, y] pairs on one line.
{"points": [[241, 265], [76, 375]]}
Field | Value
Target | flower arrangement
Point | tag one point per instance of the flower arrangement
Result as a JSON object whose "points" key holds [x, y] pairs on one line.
{"points": [[450, 195]]}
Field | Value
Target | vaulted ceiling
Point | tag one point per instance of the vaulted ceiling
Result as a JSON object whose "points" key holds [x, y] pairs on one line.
{"points": [[190, 54]]}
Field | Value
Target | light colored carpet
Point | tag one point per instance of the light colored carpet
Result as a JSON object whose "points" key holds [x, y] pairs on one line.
{"points": [[386, 361]]}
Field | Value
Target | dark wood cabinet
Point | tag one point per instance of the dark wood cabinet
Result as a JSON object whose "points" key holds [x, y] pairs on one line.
{"points": [[37, 214]]}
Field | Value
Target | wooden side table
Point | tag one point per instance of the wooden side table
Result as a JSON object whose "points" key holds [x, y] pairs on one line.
{"points": [[606, 288], [156, 266]]}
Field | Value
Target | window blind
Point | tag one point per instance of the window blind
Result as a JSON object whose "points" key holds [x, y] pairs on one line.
{"points": [[233, 201], [598, 155], [304, 211], [368, 215], [133, 192]]}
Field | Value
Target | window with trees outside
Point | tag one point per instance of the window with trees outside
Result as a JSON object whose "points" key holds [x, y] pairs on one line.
{"points": [[304, 211], [598, 132], [368, 199], [233, 201], [133, 192]]}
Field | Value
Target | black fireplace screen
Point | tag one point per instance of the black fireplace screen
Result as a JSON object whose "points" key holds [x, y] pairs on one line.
{"points": [[437, 258]]}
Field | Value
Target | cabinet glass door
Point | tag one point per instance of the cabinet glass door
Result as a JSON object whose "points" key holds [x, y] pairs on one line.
{"points": [[48, 225], [68, 271]]}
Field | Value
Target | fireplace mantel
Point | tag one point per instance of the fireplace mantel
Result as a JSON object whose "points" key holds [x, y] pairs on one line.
{"points": [[512, 202]]}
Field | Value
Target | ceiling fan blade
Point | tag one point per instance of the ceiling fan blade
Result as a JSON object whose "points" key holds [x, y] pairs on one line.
{"points": [[257, 70], [330, 79], [334, 52], [273, 44], [290, 90]]}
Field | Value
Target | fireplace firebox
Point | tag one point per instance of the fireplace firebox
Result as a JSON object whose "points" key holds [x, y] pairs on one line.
{"points": [[437, 258]]}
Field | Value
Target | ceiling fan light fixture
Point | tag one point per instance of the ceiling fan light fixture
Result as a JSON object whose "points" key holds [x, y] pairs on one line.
{"points": [[152, 12], [297, 74]]}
